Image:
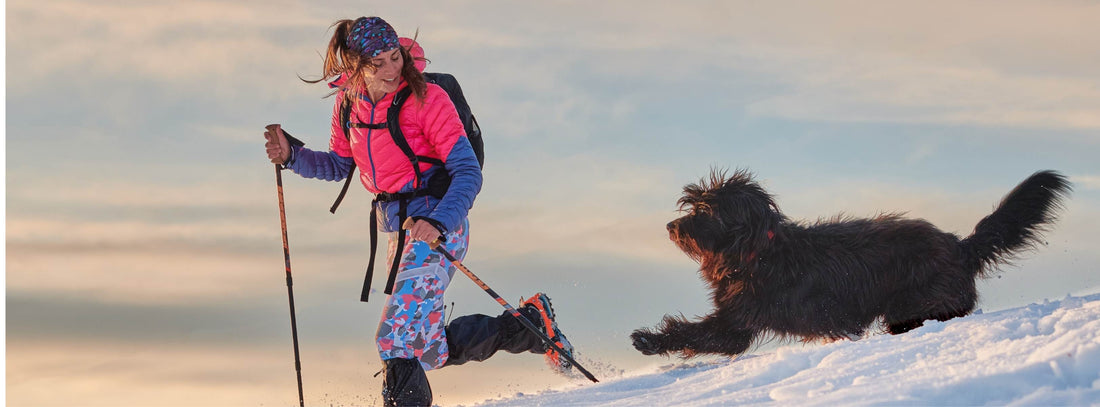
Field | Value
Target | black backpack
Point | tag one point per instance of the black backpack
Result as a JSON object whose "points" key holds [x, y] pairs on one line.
{"points": [[436, 186]]}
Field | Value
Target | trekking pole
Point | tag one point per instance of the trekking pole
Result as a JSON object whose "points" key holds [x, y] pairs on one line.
{"points": [[436, 245], [289, 285]]}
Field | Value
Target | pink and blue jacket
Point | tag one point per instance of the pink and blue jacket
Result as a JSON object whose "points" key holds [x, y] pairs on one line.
{"points": [[432, 128]]}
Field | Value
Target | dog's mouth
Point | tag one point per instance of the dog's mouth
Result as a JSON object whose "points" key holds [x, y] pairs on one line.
{"points": [[687, 245]]}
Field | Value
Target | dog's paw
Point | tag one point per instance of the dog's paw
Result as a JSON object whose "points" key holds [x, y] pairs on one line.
{"points": [[648, 342]]}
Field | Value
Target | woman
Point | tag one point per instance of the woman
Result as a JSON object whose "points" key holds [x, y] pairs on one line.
{"points": [[370, 67]]}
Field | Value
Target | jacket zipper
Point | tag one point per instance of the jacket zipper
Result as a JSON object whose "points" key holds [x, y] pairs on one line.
{"points": [[370, 155]]}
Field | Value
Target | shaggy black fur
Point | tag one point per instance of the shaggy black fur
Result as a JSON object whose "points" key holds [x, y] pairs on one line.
{"points": [[834, 278]]}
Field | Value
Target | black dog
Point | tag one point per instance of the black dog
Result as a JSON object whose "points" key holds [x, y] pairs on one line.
{"points": [[833, 279]]}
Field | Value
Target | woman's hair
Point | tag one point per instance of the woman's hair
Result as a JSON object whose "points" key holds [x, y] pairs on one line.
{"points": [[339, 59]]}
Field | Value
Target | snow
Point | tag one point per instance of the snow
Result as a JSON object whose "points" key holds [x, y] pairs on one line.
{"points": [[1039, 355]]}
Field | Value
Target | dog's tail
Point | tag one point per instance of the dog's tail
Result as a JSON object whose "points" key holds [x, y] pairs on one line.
{"points": [[1016, 224]]}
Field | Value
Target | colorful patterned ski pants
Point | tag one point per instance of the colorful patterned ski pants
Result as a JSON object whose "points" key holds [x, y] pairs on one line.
{"points": [[412, 324]]}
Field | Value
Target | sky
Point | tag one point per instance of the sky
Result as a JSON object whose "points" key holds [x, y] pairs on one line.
{"points": [[1041, 354], [143, 253]]}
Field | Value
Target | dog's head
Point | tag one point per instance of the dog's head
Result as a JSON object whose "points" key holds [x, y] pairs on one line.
{"points": [[725, 215]]}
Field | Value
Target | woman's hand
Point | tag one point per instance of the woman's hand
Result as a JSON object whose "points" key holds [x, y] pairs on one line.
{"points": [[421, 230], [278, 148]]}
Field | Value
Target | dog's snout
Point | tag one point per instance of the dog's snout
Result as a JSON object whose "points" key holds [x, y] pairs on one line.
{"points": [[673, 229]]}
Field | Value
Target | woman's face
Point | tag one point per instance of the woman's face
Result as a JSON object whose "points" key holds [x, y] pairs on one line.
{"points": [[387, 71]]}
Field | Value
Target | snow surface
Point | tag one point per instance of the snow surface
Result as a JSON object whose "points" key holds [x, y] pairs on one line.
{"points": [[1038, 355]]}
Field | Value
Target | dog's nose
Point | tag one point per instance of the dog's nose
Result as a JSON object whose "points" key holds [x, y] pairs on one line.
{"points": [[671, 226]]}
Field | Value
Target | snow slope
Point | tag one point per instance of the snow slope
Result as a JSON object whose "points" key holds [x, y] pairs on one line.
{"points": [[1041, 354]]}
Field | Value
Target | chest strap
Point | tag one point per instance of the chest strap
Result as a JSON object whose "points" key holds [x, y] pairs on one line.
{"points": [[372, 126]]}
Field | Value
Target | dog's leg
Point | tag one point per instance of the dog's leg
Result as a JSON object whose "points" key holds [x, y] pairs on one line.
{"points": [[711, 334], [940, 313], [950, 294], [903, 327]]}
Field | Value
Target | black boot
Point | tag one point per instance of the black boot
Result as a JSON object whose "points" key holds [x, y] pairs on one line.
{"points": [[405, 384]]}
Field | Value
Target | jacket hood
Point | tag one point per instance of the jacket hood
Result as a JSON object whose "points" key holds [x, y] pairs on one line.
{"points": [[417, 53]]}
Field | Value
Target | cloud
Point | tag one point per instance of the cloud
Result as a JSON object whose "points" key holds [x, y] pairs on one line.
{"points": [[135, 273], [885, 88], [182, 45], [1012, 64], [841, 62], [1087, 182], [882, 63], [120, 373], [157, 243], [91, 373], [583, 204]]}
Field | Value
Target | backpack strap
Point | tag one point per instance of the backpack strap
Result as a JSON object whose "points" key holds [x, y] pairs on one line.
{"points": [[345, 120], [396, 261], [373, 243], [343, 190], [399, 137], [402, 213]]}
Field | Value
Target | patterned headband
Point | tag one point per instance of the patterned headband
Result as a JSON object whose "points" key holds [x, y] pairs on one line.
{"points": [[372, 36]]}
